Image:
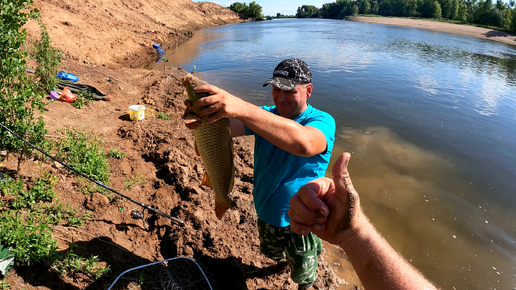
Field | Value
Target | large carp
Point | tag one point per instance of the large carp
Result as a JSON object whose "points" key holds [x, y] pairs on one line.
{"points": [[215, 145]]}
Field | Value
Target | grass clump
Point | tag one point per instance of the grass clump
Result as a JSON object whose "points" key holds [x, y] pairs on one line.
{"points": [[164, 116], [59, 214], [133, 181], [83, 98], [116, 154], [85, 153], [30, 242], [26, 221], [4, 285], [41, 190], [70, 264]]}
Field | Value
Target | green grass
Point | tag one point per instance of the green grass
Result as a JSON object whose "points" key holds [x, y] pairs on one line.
{"points": [[70, 264], [59, 214], [83, 98], [27, 217], [4, 285], [26, 226], [31, 241], [29, 209], [116, 154], [164, 116], [85, 153], [133, 181]]}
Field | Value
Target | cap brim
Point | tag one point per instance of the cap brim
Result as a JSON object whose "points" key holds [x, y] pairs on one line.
{"points": [[281, 83]]}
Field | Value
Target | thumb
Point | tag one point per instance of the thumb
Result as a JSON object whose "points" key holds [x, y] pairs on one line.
{"points": [[340, 171]]}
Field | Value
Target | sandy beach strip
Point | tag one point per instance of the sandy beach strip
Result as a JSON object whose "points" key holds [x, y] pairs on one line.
{"points": [[478, 32]]}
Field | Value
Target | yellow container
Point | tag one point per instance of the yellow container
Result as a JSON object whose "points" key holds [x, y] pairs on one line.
{"points": [[137, 112]]}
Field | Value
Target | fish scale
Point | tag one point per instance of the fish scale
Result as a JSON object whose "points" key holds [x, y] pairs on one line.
{"points": [[215, 145]]}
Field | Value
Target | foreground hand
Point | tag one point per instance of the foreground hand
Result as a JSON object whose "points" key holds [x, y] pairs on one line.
{"points": [[328, 208], [220, 104]]}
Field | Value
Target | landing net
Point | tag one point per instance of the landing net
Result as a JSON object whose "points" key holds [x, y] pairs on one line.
{"points": [[180, 273]]}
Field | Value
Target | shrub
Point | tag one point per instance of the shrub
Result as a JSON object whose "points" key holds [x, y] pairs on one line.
{"points": [[19, 97], [31, 242], [41, 190], [85, 153], [47, 58]]}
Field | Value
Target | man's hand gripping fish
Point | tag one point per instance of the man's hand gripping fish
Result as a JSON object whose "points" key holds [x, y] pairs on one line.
{"points": [[215, 145]]}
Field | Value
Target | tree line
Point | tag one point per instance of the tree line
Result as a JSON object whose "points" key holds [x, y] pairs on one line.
{"points": [[483, 12], [253, 10]]}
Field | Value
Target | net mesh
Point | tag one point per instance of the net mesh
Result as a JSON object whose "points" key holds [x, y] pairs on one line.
{"points": [[178, 273]]}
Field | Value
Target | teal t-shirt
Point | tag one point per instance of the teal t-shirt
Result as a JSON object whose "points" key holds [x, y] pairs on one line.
{"points": [[278, 175]]}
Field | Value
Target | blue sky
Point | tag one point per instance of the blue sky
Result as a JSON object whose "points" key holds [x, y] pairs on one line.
{"points": [[272, 7]]}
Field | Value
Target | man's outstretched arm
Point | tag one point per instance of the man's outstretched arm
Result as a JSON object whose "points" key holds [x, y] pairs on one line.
{"points": [[284, 133], [330, 208]]}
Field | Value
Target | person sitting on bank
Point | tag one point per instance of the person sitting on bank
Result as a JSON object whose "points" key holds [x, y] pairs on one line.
{"points": [[330, 209]]}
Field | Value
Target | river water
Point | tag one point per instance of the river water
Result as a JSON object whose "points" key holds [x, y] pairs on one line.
{"points": [[430, 120]]}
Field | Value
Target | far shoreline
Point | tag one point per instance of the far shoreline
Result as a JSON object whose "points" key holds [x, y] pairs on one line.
{"points": [[460, 29]]}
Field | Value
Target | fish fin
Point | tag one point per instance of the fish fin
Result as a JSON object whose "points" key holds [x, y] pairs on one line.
{"points": [[220, 209], [206, 181]]}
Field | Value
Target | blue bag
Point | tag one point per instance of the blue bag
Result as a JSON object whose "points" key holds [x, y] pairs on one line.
{"points": [[67, 76]]}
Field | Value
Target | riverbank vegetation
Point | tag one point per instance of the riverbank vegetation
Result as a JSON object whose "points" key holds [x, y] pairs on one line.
{"points": [[29, 209], [478, 12], [253, 10]]}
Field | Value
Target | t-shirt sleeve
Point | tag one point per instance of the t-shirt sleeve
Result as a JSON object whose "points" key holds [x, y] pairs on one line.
{"points": [[326, 124]]}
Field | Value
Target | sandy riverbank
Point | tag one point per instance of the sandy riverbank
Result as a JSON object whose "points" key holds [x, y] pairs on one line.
{"points": [[478, 32]]}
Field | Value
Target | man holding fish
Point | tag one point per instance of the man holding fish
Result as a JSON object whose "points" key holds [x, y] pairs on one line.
{"points": [[293, 145]]}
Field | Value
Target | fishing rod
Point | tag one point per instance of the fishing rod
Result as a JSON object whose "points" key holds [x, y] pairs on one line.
{"points": [[95, 181]]}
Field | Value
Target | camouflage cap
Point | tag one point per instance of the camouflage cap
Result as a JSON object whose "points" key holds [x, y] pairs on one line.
{"points": [[290, 73]]}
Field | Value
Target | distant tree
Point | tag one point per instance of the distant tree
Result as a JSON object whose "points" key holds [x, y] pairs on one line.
{"points": [[462, 14], [355, 10], [454, 11], [278, 15], [375, 7], [385, 7], [411, 8], [254, 10], [251, 10], [436, 10], [365, 7], [426, 7], [307, 11], [513, 21], [446, 7], [239, 8], [348, 10]]}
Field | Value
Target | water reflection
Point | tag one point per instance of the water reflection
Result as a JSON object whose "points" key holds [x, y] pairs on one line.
{"points": [[411, 194], [493, 95], [431, 53]]}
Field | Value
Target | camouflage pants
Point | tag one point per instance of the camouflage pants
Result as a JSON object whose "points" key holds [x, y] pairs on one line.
{"points": [[301, 251]]}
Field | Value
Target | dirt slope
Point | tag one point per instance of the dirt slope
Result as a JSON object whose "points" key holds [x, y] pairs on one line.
{"points": [[104, 43], [116, 33]]}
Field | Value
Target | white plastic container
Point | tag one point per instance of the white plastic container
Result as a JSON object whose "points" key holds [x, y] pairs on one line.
{"points": [[137, 112]]}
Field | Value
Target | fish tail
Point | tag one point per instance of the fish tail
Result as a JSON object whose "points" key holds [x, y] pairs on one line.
{"points": [[220, 209]]}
